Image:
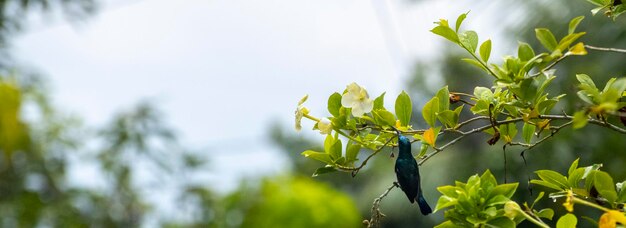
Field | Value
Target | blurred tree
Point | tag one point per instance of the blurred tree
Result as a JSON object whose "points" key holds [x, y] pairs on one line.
{"points": [[37, 152], [14, 13]]}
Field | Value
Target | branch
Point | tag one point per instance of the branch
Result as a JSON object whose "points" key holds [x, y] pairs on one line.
{"points": [[548, 67], [355, 170], [553, 133], [377, 215], [463, 134], [605, 49], [590, 120]]}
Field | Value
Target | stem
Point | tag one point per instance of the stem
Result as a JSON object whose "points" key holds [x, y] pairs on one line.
{"points": [[548, 67], [311, 117], [586, 203], [533, 220], [480, 61]]}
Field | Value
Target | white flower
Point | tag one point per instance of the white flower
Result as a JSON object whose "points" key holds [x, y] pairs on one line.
{"points": [[357, 98], [324, 126], [300, 112]]}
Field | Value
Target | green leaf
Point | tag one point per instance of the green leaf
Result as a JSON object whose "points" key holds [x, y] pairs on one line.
{"points": [[384, 117], [574, 23], [335, 150], [481, 108], [619, 85], [469, 40], [537, 199], [352, 152], [585, 80], [573, 167], [404, 108], [509, 131], [323, 157], [567, 221], [487, 179], [475, 63], [448, 190], [485, 50], [446, 32], [497, 200], [324, 170], [546, 184], [527, 132], [546, 213], [339, 121], [459, 21], [334, 104], [429, 111], [568, 40], [584, 97], [552, 177], [504, 189], [580, 119], [483, 93], [448, 118], [525, 52], [546, 38], [328, 143], [444, 98], [379, 102], [575, 177], [423, 150], [605, 186], [445, 201]]}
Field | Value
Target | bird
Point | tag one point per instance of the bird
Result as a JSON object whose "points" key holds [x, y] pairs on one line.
{"points": [[407, 172]]}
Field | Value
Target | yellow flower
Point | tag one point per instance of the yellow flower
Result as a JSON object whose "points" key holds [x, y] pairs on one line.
{"points": [[569, 204], [608, 219], [325, 126], [357, 98], [300, 112]]}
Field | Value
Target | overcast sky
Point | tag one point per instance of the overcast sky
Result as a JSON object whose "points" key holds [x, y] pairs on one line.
{"points": [[223, 70]]}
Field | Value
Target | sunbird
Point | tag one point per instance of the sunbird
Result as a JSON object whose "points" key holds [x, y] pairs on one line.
{"points": [[407, 172]]}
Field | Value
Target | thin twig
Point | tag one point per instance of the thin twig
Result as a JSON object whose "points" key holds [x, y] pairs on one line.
{"points": [[548, 67], [377, 215], [355, 170], [590, 120], [552, 134], [605, 49]]}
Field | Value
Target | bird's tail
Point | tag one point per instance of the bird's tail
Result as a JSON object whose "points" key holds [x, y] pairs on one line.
{"points": [[424, 208]]}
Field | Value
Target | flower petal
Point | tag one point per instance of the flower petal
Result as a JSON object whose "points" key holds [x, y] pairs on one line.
{"points": [[357, 109], [368, 105], [348, 100]]}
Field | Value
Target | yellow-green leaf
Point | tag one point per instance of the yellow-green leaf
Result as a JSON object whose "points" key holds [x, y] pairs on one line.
{"points": [[485, 50], [429, 111], [567, 221], [404, 108]]}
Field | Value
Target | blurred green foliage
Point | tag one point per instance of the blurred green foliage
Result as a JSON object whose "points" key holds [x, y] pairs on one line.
{"points": [[301, 202]]}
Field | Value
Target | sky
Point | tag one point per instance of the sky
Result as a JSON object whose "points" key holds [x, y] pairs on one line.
{"points": [[223, 71]]}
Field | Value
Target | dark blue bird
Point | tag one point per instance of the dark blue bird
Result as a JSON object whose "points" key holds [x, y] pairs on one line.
{"points": [[408, 175]]}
